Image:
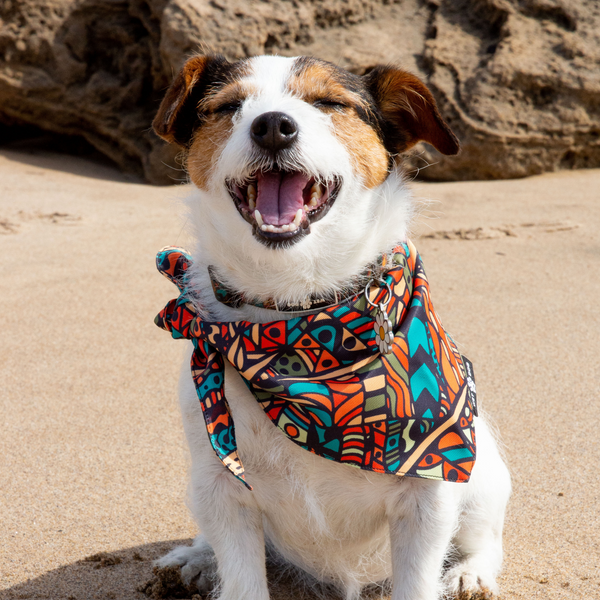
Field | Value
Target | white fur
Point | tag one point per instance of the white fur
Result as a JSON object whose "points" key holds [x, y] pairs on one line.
{"points": [[340, 524]]}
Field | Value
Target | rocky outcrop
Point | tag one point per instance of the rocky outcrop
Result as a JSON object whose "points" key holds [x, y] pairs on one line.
{"points": [[518, 80], [89, 68], [519, 83]]}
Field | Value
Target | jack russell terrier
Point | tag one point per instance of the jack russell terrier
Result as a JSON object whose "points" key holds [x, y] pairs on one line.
{"points": [[329, 416]]}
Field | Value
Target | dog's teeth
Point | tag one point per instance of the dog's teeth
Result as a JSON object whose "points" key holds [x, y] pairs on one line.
{"points": [[282, 228], [315, 194], [251, 203], [251, 193], [298, 217], [306, 208]]}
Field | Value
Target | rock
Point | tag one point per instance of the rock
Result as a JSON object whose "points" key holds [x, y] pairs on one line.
{"points": [[88, 68], [519, 81]]}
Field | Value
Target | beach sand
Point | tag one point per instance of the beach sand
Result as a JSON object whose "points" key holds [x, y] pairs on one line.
{"points": [[92, 453]]}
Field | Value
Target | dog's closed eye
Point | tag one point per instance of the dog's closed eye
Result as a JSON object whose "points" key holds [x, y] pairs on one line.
{"points": [[228, 107], [329, 103]]}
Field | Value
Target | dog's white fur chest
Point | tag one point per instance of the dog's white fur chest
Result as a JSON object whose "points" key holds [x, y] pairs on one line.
{"points": [[315, 513], [329, 519]]}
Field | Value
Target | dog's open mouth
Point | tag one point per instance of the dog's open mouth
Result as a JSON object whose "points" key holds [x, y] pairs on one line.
{"points": [[281, 205]]}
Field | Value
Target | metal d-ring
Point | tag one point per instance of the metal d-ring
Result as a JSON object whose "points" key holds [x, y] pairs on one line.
{"points": [[381, 281]]}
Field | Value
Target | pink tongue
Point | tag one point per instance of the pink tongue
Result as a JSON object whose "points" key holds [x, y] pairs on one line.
{"points": [[280, 196]]}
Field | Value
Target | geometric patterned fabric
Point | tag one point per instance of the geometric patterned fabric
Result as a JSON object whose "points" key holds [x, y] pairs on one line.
{"points": [[321, 379]]}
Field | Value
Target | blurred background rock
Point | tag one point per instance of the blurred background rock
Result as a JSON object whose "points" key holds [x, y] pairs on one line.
{"points": [[517, 80]]}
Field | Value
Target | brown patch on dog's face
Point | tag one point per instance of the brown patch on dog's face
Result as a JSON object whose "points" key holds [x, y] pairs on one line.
{"points": [[225, 99], [197, 111], [377, 116], [183, 108], [206, 147], [365, 147], [315, 81], [341, 95], [209, 140]]}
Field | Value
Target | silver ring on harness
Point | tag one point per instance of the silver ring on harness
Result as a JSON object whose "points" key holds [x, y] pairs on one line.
{"points": [[381, 282]]}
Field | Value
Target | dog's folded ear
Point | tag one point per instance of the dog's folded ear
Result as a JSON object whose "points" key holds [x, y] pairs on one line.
{"points": [[408, 111], [178, 115]]}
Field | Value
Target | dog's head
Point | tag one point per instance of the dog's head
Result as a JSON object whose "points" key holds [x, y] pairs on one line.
{"points": [[296, 146]]}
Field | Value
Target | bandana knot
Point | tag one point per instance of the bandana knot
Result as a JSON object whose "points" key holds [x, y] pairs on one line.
{"points": [[323, 380]]}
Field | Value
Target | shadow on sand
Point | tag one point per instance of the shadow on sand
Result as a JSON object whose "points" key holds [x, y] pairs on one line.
{"points": [[115, 575], [48, 151], [129, 574]]}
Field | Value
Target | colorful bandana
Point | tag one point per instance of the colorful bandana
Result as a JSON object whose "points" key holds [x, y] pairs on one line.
{"points": [[322, 380]]}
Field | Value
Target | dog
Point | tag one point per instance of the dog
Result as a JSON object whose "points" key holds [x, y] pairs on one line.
{"points": [[297, 186]]}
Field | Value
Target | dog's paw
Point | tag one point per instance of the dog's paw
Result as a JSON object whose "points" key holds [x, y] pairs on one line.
{"points": [[465, 581], [197, 563]]}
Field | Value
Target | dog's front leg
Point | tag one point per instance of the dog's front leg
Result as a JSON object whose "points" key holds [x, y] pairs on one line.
{"points": [[226, 512], [233, 527], [422, 523], [232, 534]]}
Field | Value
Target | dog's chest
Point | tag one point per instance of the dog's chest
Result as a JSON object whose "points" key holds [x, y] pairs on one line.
{"points": [[311, 506]]}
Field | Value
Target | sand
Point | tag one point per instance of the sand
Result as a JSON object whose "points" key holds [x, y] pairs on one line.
{"points": [[92, 455]]}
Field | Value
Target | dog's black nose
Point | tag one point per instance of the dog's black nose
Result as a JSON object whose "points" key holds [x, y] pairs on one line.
{"points": [[274, 131]]}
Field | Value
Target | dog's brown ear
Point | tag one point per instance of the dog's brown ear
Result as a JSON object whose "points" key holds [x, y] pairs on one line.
{"points": [[408, 110], [178, 115]]}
